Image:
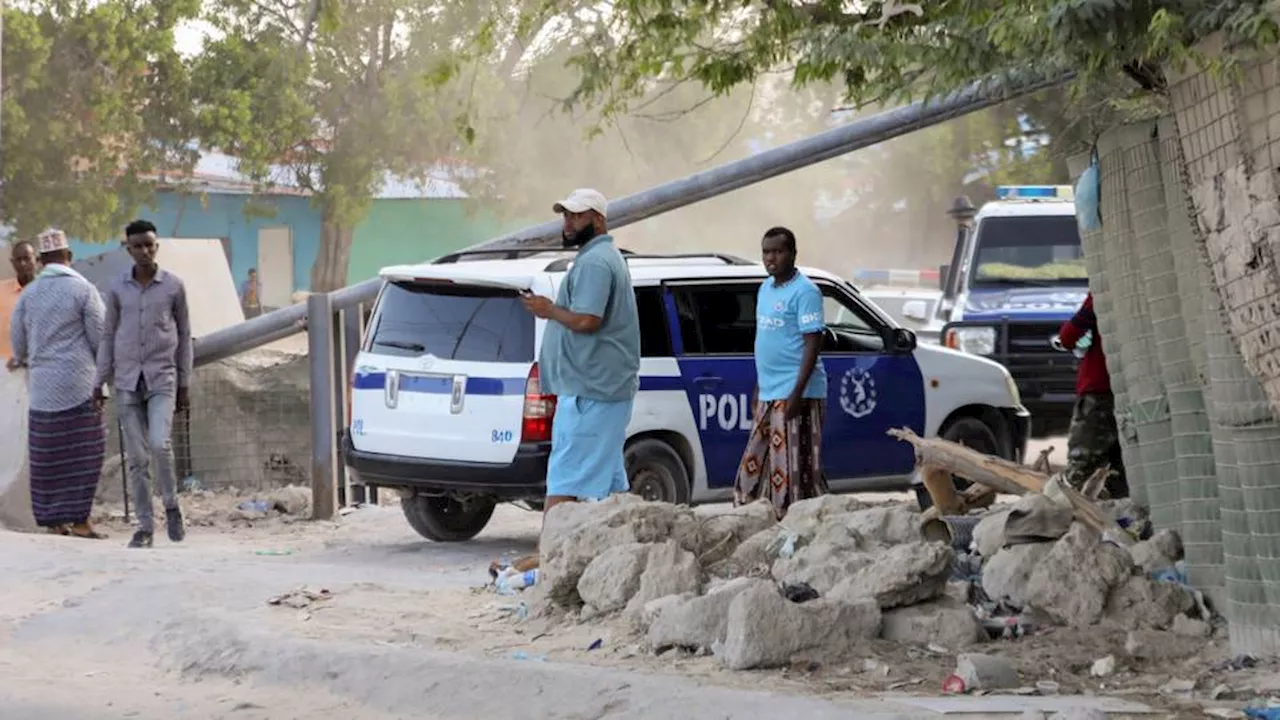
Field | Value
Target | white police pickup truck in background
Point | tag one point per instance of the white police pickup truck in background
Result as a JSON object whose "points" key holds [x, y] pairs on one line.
{"points": [[446, 406]]}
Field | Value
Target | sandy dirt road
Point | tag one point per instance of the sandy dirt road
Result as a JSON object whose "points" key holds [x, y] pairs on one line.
{"points": [[92, 630]]}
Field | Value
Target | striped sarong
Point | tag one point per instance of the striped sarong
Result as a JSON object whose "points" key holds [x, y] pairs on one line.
{"points": [[66, 450]]}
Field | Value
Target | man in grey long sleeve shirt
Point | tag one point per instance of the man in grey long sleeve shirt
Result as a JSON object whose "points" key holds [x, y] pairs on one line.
{"points": [[146, 355]]}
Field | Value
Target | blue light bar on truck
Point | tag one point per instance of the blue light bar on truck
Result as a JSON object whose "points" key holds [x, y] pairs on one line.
{"points": [[1035, 192]]}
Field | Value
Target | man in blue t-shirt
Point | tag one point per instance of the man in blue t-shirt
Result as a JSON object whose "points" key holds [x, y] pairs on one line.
{"points": [[783, 458]]}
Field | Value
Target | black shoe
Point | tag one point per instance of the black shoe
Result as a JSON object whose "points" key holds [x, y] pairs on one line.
{"points": [[141, 539], [173, 523]]}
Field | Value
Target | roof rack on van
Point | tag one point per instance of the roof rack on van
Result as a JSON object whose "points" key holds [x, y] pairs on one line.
{"points": [[562, 264], [501, 254]]}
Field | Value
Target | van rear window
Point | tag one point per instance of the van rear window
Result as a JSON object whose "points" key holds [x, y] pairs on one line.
{"points": [[452, 323]]}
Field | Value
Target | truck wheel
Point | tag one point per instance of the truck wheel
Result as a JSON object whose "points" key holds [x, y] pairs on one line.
{"points": [[445, 518], [656, 472], [973, 434]]}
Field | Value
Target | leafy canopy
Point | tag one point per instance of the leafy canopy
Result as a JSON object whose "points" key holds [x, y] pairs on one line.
{"points": [[96, 105], [889, 50]]}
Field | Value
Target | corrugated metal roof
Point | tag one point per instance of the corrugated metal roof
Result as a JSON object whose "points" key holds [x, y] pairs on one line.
{"points": [[219, 173]]}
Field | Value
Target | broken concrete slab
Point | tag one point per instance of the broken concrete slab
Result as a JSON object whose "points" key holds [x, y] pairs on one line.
{"points": [[883, 525], [1142, 603], [901, 575], [754, 556], [833, 554], [669, 570], [720, 531], [1161, 551], [1075, 578], [613, 578], [944, 622], [1005, 576], [700, 621], [764, 629], [291, 500], [1190, 627], [804, 515], [575, 534]]}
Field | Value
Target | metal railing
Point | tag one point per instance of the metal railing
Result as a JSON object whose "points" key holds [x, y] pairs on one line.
{"points": [[334, 321]]}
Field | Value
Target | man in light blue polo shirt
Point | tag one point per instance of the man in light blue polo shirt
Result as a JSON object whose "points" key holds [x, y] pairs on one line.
{"points": [[590, 357], [783, 458]]}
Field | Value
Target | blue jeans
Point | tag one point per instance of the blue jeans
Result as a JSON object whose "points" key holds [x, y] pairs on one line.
{"points": [[146, 419]]}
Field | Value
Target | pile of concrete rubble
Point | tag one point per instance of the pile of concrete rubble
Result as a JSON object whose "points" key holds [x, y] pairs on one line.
{"points": [[837, 573]]}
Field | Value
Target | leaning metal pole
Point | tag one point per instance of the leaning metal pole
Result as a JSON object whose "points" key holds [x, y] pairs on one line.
{"points": [[855, 135]]}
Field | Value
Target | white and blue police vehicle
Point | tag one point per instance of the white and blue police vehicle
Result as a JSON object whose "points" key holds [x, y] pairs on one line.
{"points": [[1015, 276], [446, 405]]}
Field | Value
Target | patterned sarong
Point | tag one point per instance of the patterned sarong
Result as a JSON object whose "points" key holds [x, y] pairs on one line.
{"points": [[783, 460], [65, 454]]}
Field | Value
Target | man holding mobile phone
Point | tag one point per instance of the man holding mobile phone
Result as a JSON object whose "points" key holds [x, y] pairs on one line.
{"points": [[590, 358]]}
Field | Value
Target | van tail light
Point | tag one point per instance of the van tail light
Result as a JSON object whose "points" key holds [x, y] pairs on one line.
{"points": [[539, 409]]}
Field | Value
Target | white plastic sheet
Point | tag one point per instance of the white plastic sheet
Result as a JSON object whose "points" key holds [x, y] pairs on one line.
{"points": [[15, 488]]}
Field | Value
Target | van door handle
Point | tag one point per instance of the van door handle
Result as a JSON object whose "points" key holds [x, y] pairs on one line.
{"points": [[707, 381]]}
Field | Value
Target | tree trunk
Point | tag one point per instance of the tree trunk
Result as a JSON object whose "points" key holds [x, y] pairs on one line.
{"points": [[330, 269]]}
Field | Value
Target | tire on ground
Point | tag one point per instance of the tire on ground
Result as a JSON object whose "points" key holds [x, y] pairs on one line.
{"points": [[971, 432], [444, 519], [656, 472]]}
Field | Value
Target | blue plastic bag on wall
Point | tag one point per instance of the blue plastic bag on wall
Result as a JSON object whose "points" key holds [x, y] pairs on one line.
{"points": [[1088, 193]]}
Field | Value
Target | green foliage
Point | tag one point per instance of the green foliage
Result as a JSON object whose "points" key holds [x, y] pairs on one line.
{"points": [[377, 90], [888, 51], [96, 104]]}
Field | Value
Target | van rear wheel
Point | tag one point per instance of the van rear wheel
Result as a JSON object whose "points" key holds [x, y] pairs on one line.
{"points": [[445, 518], [655, 472]]}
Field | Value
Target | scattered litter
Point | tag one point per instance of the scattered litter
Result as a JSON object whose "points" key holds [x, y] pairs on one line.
{"points": [[348, 509], [1048, 687], [936, 649], [799, 592], [784, 546], [1263, 713], [522, 655], [1103, 667], [191, 484], [1226, 713], [599, 643], [255, 506], [905, 683], [1219, 691], [273, 552], [1176, 573], [1239, 662], [953, 685], [300, 598], [1131, 644], [510, 581]]}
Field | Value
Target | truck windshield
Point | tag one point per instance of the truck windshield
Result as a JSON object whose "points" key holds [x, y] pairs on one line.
{"points": [[1029, 250]]}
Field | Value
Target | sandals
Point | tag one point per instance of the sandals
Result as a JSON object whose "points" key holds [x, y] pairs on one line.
{"points": [[86, 531], [58, 530]]}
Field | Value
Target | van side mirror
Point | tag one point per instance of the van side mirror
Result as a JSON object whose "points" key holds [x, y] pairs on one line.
{"points": [[900, 340]]}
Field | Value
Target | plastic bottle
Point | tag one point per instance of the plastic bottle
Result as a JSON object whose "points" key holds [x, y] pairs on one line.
{"points": [[512, 580]]}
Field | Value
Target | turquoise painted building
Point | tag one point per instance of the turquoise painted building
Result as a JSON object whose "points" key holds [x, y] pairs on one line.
{"points": [[280, 235]]}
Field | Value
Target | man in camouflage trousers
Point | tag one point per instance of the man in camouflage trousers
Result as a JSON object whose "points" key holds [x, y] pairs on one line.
{"points": [[1093, 440]]}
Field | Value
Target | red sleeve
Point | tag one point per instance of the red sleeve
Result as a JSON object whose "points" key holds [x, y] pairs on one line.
{"points": [[1083, 321]]}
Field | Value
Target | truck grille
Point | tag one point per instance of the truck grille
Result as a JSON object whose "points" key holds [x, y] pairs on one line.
{"points": [[1032, 337]]}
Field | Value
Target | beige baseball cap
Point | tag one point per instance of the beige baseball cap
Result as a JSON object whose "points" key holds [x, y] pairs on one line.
{"points": [[52, 240], [582, 200]]}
